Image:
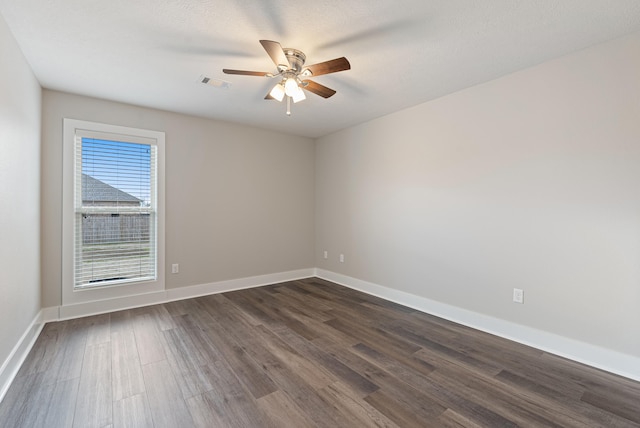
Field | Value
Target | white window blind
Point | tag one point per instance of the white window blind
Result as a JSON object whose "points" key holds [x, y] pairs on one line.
{"points": [[115, 200]]}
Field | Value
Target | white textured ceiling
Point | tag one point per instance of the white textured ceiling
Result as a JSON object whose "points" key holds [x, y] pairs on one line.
{"points": [[402, 52]]}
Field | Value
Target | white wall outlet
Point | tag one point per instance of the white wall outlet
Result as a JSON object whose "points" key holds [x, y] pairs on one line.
{"points": [[341, 258], [175, 268], [518, 295], [325, 254]]}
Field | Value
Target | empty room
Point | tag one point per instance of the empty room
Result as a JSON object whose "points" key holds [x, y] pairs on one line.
{"points": [[351, 213]]}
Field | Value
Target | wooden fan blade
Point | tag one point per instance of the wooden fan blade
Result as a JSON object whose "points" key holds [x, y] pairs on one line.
{"points": [[317, 88], [333, 66], [245, 72], [276, 52]]}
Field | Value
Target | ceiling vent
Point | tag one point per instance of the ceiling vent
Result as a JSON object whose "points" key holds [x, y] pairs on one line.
{"points": [[216, 83]]}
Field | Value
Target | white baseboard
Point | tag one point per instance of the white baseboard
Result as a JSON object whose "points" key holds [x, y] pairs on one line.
{"points": [[14, 361], [84, 309], [50, 314], [236, 284], [592, 355]]}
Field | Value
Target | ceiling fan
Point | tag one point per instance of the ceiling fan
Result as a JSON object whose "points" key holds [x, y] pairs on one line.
{"points": [[294, 78]]}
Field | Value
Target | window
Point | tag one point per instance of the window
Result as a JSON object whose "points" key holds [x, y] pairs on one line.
{"points": [[113, 211]]}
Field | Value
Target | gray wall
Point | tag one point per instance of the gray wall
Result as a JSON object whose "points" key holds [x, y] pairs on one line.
{"points": [[239, 201], [20, 103], [528, 181]]}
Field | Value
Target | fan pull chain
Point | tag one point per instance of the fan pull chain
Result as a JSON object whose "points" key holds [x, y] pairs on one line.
{"points": [[288, 105]]}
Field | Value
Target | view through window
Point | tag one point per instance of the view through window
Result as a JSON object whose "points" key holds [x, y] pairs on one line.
{"points": [[115, 212]]}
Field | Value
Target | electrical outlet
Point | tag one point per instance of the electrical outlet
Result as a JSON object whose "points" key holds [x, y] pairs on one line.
{"points": [[518, 295], [326, 254], [341, 258], [175, 268]]}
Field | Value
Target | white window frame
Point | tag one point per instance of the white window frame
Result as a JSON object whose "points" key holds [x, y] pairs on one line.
{"points": [[72, 129]]}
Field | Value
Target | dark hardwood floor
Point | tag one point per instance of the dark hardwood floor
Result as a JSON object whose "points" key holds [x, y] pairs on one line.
{"points": [[301, 354]]}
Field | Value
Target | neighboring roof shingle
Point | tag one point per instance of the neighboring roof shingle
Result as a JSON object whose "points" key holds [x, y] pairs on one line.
{"points": [[99, 191]]}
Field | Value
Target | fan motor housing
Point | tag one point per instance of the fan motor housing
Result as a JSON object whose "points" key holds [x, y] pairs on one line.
{"points": [[296, 58]]}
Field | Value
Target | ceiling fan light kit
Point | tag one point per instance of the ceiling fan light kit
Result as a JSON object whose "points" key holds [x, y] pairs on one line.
{"points": [[290, 86], [289, 63], [277, 93]]}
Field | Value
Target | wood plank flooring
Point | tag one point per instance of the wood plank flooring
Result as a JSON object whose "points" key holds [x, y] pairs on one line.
{"points": [[300, 354]]}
